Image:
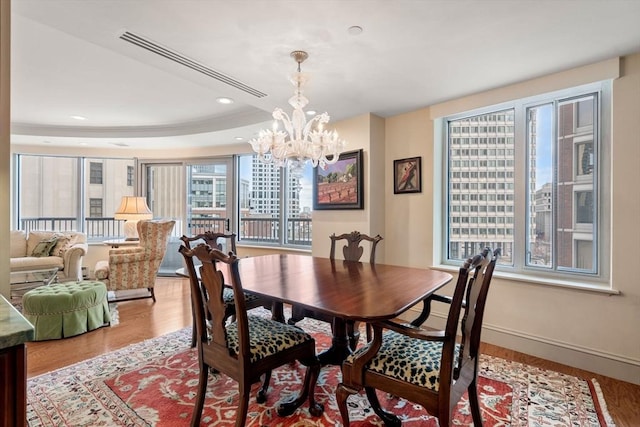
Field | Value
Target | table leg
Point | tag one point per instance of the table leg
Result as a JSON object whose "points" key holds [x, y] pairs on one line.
{"points": [[339, 349]]}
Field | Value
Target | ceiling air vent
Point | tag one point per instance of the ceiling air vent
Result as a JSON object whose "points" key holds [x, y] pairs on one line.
{"points": [[183, 60]]}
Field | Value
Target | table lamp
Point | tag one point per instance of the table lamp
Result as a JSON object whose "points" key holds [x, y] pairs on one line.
{"points": [[132, 209]]}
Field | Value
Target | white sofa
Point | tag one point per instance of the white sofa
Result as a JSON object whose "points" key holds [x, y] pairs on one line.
{"points": [[61, 249]]}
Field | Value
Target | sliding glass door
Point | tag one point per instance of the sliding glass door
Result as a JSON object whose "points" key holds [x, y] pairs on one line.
{"points": [[198, 195]]}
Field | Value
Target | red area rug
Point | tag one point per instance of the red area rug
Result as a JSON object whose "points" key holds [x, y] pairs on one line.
{"points": [[153, 383]]}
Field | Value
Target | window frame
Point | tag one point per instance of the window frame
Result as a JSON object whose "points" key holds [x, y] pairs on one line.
{"points": [[519, 271]]}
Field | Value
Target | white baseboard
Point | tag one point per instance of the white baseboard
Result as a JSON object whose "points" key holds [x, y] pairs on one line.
{"points": [[593, 360]]}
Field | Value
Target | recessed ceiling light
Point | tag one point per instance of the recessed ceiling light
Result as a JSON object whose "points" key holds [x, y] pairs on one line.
{"points": [[354, 30], [224, 100], [239, 138], [311, 112], [78, 117], [83, 143]]}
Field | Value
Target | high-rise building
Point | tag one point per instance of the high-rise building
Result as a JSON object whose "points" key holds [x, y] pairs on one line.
{"points": [[481, 184], [265, 191]]}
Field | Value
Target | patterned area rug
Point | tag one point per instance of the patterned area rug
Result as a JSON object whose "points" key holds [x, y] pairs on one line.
{"points": [[153, 383]]}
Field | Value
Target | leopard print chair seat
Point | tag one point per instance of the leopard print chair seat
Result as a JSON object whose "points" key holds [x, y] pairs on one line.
{"points": [[406, 359], [266, 337]]}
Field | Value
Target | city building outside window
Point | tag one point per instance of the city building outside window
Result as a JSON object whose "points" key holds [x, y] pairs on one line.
{"points": [[533, 170], [275, 207], [52, 193]]}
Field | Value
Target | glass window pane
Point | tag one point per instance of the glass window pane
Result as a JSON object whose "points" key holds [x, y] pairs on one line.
{"points": [[108, 180], [299, 207], [48, 193], [474, 178], [275, 205], [207, 198], [541, 206], [576, 170], [260, 223]]}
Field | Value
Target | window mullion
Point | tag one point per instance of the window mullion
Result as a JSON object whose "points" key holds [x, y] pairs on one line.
{"points": [[521, 206]]}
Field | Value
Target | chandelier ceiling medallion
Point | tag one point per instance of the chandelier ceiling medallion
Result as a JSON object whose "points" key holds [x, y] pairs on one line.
{"points": [[301, 140]]}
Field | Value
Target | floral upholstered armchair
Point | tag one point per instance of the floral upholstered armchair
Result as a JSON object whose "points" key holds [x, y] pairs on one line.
{"points": [[136, 267]]}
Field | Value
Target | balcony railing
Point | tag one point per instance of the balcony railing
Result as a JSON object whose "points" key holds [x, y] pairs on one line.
{"points": [[254, 230]]}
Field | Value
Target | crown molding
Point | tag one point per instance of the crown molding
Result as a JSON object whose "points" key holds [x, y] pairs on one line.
{"points": [[219, 123]]}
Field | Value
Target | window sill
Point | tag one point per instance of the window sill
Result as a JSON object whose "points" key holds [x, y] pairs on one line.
{"points": [[531, 280]]}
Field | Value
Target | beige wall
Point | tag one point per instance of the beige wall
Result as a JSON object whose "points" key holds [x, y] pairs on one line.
{"points": [[589, 330], [594, 331], [364, 132]]}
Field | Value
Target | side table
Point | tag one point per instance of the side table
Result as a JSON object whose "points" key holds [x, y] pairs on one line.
{"points": [[116, 243]]}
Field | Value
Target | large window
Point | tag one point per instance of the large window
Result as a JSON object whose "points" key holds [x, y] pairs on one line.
{"points": [[71, 193], [275, 206], [263, 204], [527, 176]]}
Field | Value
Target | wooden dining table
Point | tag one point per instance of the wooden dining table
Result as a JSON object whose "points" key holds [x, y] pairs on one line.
{"points": [[346, 290]]}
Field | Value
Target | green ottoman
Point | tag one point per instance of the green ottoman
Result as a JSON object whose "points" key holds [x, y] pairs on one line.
{"points": [[66, 309]]}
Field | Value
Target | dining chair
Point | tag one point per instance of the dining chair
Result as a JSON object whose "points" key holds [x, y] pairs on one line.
{"points": [[352, 251], [249, 346], [424, 366], [215, 240]]}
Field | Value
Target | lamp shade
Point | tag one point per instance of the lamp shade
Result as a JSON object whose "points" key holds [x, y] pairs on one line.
{"points": [[133, 208]]}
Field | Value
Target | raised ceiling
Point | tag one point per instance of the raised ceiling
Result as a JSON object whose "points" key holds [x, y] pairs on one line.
{"points": [[69, 59]]}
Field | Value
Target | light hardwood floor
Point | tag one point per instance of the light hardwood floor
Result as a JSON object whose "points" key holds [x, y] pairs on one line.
{"points": [[142, 319]]}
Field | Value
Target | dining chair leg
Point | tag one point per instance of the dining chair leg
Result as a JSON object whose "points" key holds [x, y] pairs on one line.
{"points": [[243, 406], [342, 394], [262, 393], [316, 409], [474, 403], [389, 419], [203, 377]]}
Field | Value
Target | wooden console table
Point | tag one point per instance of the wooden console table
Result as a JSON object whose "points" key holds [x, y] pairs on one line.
{"points": [[15, 330]]}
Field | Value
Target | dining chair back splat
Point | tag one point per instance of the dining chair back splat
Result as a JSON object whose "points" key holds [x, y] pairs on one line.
{"points": [[425, 366], [247, 348], [213, 239], [352, 251]]}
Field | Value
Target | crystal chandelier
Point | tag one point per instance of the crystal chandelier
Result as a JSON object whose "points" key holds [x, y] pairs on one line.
{"points": [[301, 140]]}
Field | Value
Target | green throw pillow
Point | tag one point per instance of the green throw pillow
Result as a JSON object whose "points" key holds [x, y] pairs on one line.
{"points": [[44, 247]]}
